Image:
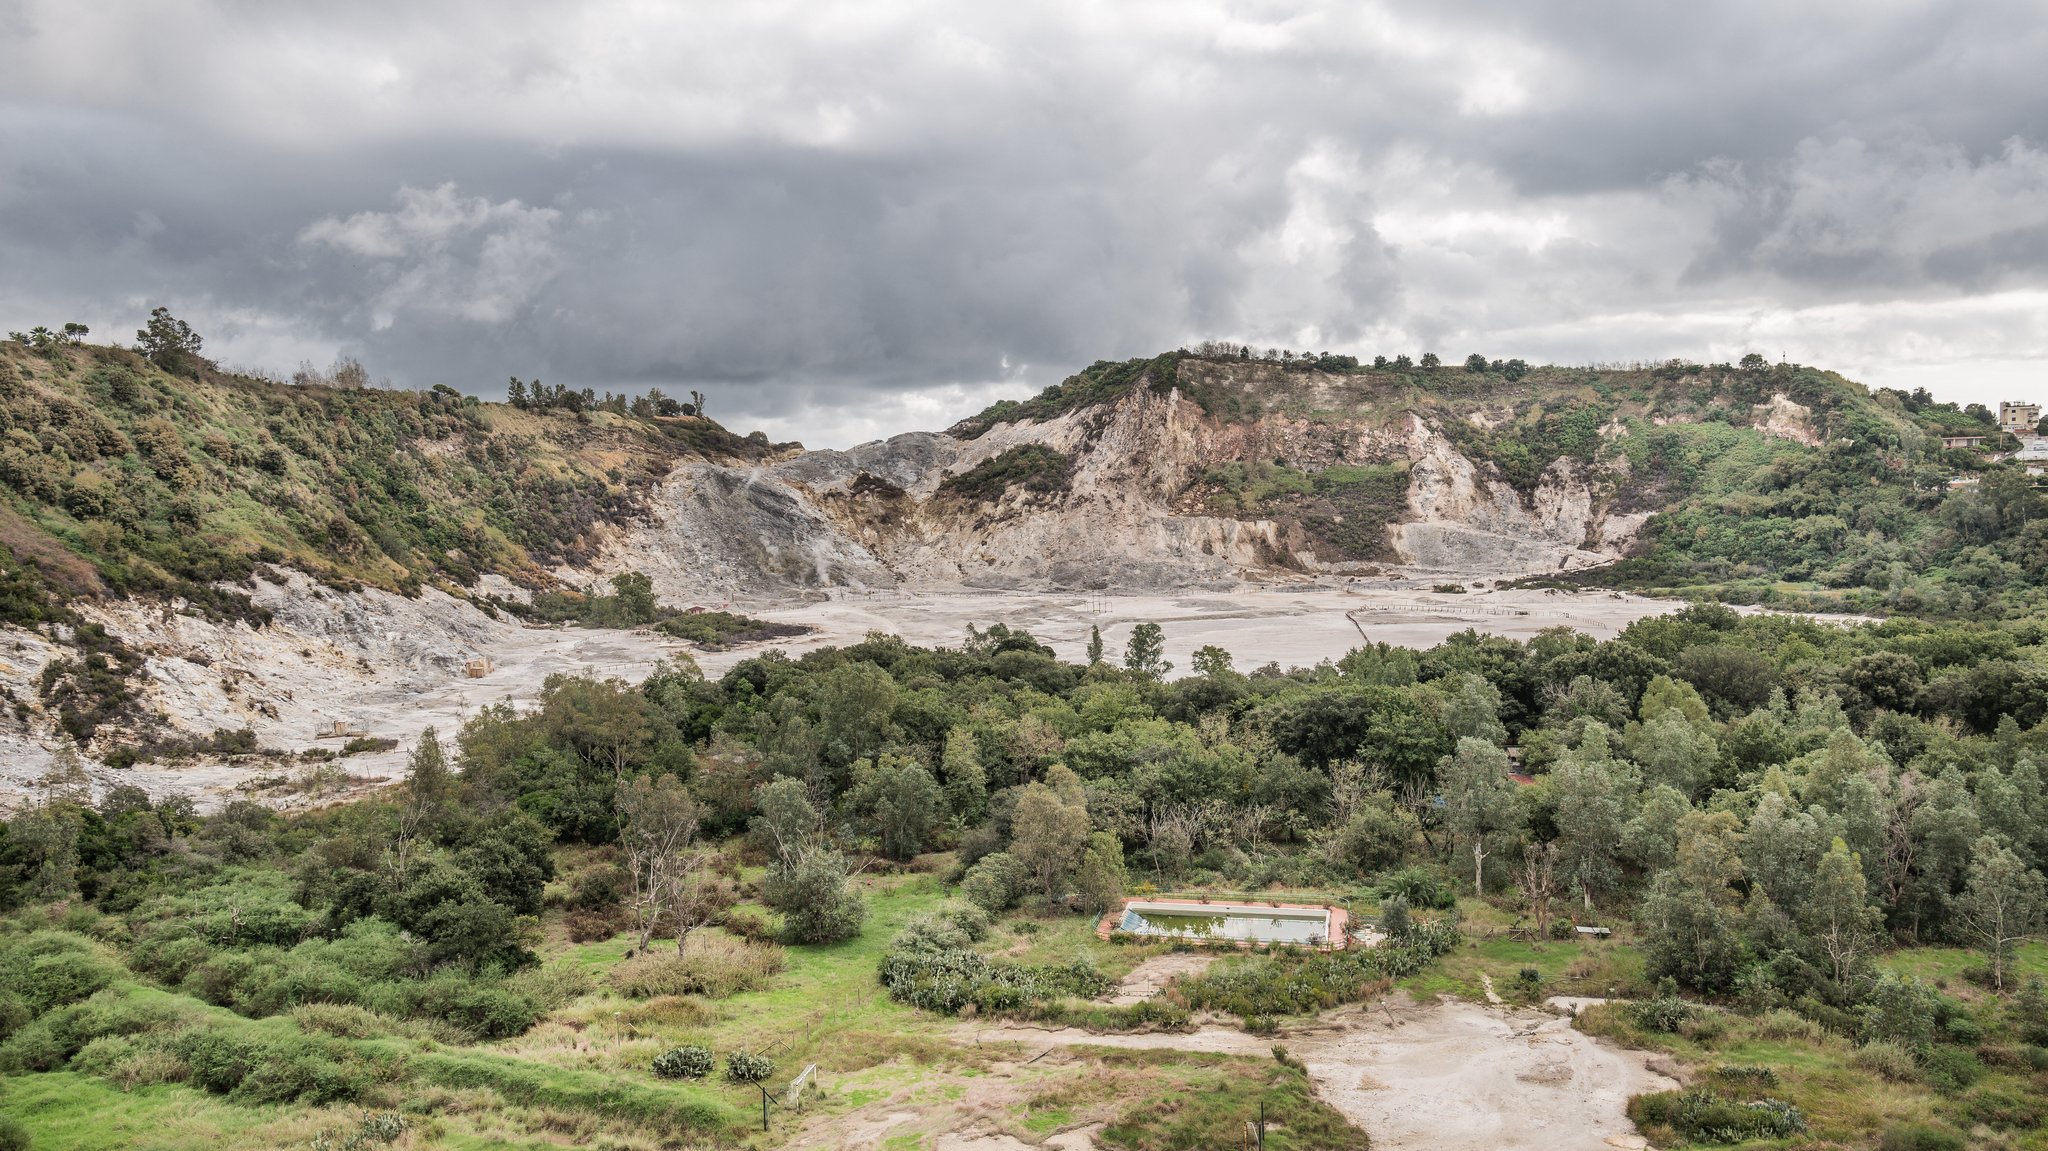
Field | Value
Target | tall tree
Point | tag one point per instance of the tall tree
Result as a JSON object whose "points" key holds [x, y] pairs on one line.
{"points": [[1591, 789], [966, 781], [1146, 652], [1049, 832], [1479, 801], [2002, 904], [1838, 913], [1094, 646]]}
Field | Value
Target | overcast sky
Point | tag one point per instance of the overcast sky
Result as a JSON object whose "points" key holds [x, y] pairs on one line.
{"points": [[847, 220]]}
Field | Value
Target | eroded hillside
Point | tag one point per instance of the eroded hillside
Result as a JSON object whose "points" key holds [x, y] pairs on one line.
{"points": [[1203, 471]]}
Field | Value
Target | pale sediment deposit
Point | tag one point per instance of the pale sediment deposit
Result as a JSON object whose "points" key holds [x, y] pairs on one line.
{"points": [[1442, 1076]]}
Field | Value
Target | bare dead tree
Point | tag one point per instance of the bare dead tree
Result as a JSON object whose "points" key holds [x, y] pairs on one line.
{"points": [[658, 825], [1539, 883]]}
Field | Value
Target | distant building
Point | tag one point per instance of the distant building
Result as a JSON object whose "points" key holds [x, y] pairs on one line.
{"points": [[1963, 441], [2018, 418], [2033, 450]]}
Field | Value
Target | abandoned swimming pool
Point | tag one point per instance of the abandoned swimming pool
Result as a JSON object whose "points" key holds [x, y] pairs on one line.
{"points": [[1230, 924]]}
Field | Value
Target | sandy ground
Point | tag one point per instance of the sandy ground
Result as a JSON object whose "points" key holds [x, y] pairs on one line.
{"points": [[1294, 625], [1447, 1076]]}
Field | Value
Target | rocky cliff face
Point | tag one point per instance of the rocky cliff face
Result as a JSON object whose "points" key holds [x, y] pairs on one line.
{"points": [[1127, 513]]}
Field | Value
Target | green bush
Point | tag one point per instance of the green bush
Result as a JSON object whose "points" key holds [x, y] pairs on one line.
{"points": [[995, 883], [1703, 1116], [686, 1062], [741, 1067], [1949, 1070], [1920, 1137], [1665, 1013], [1420, 887], [13, 1136], [1888, 1060]]}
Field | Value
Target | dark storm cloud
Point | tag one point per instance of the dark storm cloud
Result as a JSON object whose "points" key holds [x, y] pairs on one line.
{"points": [[845, 220]]}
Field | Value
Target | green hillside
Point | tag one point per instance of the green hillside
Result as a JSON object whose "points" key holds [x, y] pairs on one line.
{"points": [[1846, 502], [120, 477]]}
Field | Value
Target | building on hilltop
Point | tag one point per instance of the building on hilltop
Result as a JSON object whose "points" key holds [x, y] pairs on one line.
{"points": [[2017, 418]]}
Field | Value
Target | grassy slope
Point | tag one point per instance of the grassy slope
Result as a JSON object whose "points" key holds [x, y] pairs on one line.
{"points": [[154, 482], [583, 1073]]}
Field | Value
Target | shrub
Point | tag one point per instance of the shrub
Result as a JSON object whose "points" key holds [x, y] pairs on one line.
{"points": [[1889, 1060], [687, 1062], [2004, 1109], [1420, 887], [594, 926], [1748, 1077], [714, 966], [550, 987], [1665, 1013], [54, 980], [1949, 1070], [996, 883], [740, 1067], [341, 1020], [1703, 1116], [1780, 1023], [1920, 1137], [13, 1136]]}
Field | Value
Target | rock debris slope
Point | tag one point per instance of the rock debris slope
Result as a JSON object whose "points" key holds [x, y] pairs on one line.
{"points": [[1145, 490]]}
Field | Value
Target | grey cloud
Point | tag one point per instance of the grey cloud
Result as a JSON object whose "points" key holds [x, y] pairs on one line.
{"points": [[834, 217]]}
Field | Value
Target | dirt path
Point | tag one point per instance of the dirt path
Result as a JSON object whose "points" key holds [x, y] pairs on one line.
{"points": [[1446, 1076]]}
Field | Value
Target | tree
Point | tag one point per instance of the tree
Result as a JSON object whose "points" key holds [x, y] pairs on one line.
{"points": [[1689, 919], [1753, 362], [1479, 800], [1146, 651], [1589, 788], [428, 790], [515, 393], [1102, 878], [2002, 904], [788, 823], [1049, 834], [657, 823], [817, 903], [902, 802], [1674, 751], [75, 333], [1211, 661], [1838, 913], [1475, 363], [966, 781], [1429, 362], [854, 702], [1472, 710], [1094, 645], [168, 342], [1539, 883]]}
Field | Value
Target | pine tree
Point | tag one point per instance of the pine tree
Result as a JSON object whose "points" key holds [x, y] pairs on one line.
{"points": [[1094, 646]]}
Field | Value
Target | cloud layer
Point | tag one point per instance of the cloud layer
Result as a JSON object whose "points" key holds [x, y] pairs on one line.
{"points": [[845, 220]]}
